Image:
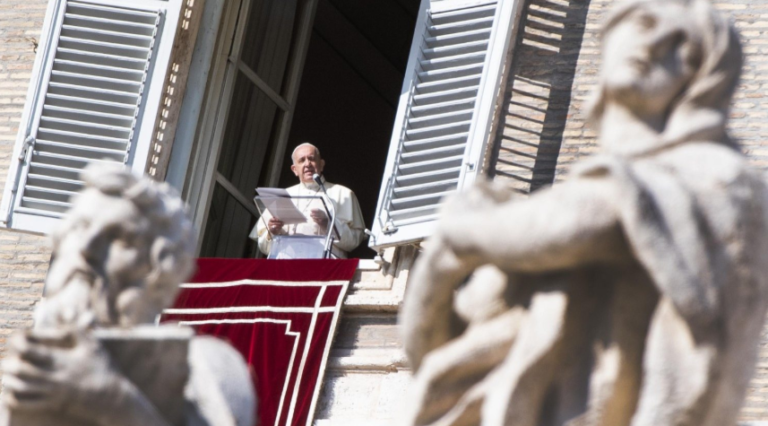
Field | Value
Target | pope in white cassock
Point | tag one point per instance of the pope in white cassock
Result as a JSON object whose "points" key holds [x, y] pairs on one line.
{"points": [[349, 219]]}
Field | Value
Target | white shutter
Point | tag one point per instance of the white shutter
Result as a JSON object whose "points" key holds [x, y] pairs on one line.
{"points": [[94, 96], [445, 112]]}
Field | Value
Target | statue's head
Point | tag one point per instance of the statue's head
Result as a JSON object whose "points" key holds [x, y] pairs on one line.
{"points": [[674, 59], [120, 253]]}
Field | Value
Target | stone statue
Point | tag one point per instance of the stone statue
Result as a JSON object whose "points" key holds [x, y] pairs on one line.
{"points": [[632, 294], [94, 356]]}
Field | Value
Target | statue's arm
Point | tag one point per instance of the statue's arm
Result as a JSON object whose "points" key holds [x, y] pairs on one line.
{"points": [[568, 225], [561, 227]]}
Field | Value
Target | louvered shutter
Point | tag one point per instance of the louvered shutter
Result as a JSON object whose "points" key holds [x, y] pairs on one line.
{"points": [[94, 96], [445, 111]]}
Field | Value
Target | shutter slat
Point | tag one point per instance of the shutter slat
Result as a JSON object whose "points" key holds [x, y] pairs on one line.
{"points": [[98, 46], [85, 128], [432, 153], [112, 25], [55, 182], [456, 49], [439, 119], [460, 37], [446, 96], [418, 213], [431, 187], [418, 219], [68, 161], [81, 138], [113, 96], [120, 62], [73, 102], [68, 87], [466, 13], [435, 142], [40, 159], [426, 200], [61, 172], [87, 116], [453, 61], [442, 107], [131, 15], [435, 131], [431, 165], [427, 177], [95, 81], [49, 193], [452, 72], [34, 195], [127, 39], [448, 84], [110, 59], [63, 122], [461, 26], [84, 151], [99, 70], [46, 205]]}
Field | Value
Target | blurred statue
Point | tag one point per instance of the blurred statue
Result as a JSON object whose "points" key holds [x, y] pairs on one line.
{"points": [[95, 357], [632, 294]]}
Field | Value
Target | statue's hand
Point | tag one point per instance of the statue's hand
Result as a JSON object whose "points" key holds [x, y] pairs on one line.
{"points": [[63, 372], [458, 225]]}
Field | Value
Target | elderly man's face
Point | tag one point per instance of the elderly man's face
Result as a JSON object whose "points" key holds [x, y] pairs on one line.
{"points": [[306, 163], [104, 251]]}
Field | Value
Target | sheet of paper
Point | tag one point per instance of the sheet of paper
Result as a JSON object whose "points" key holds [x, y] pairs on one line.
{"points": [[273, 192], [279, 204]]}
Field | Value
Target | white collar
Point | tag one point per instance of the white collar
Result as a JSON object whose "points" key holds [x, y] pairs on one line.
{"points": [[313, 186]]}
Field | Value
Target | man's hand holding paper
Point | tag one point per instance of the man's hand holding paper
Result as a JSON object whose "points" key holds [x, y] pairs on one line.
{"points": [[320, 218]]}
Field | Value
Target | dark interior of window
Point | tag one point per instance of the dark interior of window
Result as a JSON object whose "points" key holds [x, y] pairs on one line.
{"points": [[346, 105], [349, 92]]}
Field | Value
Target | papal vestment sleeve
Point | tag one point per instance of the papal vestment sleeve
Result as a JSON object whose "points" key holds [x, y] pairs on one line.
{"points": [[349, 217]]}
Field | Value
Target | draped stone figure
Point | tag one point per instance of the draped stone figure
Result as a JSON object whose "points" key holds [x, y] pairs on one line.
{"points": [[633, 293], [95, 357]]}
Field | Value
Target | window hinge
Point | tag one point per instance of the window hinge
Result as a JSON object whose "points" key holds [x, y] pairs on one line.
{"points": [[389, 228], [29, 142]]}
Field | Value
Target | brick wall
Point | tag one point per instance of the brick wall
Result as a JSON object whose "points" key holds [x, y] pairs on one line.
{"points": [[555, 69], [23, 258]]}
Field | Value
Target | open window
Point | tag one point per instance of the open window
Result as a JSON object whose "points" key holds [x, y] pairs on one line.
{"points": [[96, 88], [433, 68], [445, 113], [335, 68]]}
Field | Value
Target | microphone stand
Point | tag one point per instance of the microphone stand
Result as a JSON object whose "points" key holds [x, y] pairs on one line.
{"points": [[332, 221]]}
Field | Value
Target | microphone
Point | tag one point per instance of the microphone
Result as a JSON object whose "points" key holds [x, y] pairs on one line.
{"points": [[331, 220], [319, 181]]}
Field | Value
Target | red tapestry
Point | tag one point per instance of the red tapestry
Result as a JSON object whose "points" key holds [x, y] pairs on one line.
{"points": [[280, 314]]}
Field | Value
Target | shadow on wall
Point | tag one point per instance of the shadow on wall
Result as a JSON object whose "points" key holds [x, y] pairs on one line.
{"points": [[538, 94]]}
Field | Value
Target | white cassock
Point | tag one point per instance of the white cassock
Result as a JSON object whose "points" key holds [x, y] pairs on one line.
{"points": [[349, 218]]}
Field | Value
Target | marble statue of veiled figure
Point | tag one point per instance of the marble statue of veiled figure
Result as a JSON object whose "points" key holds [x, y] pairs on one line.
{"points": [[631, 294]]}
